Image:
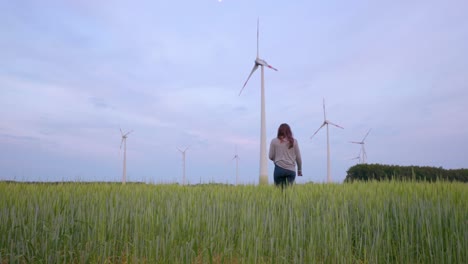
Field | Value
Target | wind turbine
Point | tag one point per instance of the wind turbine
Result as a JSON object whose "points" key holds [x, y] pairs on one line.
{"points": [[263, 179], [326, 122], [124, 142], [358, 157], [183, 163], [236, 157], [363, 153]]}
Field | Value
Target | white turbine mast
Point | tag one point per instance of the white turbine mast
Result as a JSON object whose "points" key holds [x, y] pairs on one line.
{"points": [[124, 142], [263, 179], [326, 122], [236, 157], [362, 153], [183, 164]]}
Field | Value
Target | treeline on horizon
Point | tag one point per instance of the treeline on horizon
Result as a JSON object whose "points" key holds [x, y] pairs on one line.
{"points": [[359, 172], [381, 172]]}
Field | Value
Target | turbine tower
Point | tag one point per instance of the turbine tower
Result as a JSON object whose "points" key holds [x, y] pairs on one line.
{"points": [[124, 142], [263, 156], [326, 122], [236, 157], [363, 154], [183, 164]]}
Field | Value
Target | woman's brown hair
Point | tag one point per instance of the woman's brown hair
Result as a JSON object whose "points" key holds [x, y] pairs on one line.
{"points": [[284, 131]]}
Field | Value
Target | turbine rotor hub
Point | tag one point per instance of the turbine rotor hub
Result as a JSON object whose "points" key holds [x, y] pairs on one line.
{"points": [[260, 62]]}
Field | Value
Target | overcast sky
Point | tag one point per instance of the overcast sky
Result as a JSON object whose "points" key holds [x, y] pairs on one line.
{"points": [[72, 73]]}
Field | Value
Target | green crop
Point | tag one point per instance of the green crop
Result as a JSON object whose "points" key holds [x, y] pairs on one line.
{"points": [[373, 222]]}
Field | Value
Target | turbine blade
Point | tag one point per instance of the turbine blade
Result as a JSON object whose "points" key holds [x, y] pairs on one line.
{"points": [[354, 158], [121, 142], [324, 113], [271, 67], [335, 125], [318, 129], [128, 132], [183, 151], [366, 135], [355, 142], [258, 33], [255, 67], [121, 132]]}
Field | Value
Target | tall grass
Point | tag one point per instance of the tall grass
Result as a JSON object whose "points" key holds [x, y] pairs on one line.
{"points": [[386, 222]]}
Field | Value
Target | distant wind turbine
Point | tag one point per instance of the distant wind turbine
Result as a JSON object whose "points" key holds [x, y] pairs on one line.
{"points": [[326, 122], [358, 157], [363, 154], [124, 142], [183, 164], [263, 156], [236, 157]]}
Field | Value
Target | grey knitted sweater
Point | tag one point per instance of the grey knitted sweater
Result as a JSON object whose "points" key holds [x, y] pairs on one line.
{"points": [[285, 157]]}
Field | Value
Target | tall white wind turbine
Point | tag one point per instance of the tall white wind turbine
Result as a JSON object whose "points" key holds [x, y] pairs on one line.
{"points": [[363, 154], [124, 142], [183, 164], [263, 156], [236, 157], [326, 122]]}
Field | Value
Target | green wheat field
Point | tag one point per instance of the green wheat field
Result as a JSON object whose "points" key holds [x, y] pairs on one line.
{"points": [[372, 222]]}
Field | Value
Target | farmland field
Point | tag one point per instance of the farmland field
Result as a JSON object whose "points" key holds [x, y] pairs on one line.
{"points": [[373, 222]]}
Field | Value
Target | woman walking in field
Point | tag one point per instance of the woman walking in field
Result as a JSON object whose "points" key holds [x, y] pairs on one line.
{"points": [[285, 153]]}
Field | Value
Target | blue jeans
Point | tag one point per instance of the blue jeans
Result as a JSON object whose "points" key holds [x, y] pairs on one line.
{"points": [[283, 177]]}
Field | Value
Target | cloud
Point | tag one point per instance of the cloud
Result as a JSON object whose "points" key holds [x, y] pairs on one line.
{"points": [[73, 73]]}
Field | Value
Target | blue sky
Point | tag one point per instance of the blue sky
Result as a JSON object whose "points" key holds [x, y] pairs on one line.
{"points": [[73, 72]]}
